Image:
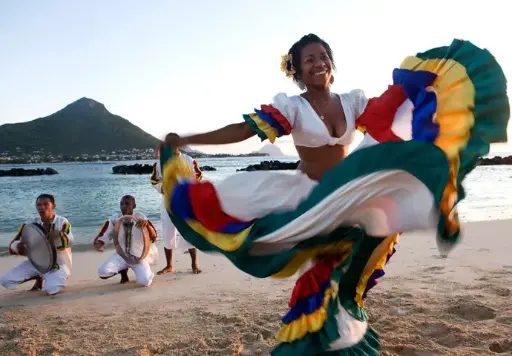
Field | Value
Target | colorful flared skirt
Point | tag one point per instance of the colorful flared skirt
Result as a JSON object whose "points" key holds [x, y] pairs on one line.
{"points": [[423, 135]]}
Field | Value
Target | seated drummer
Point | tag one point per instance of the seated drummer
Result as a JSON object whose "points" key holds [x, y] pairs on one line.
{"points": [[116, 264], [58, 229]]}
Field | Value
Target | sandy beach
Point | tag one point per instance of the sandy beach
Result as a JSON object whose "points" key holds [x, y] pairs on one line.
{"points": [[425, 305]]}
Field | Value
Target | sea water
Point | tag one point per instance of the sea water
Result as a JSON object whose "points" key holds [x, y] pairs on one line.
{"points": [[88, 194]]}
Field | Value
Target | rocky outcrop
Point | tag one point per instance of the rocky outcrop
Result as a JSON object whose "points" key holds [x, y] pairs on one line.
{"points": [[495, 161], [133, 169], [271, 166], [21, 172], [207, 168], [277, 165]]}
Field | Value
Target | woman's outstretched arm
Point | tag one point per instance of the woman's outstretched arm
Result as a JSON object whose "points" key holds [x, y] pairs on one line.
{"points": [[269, 123], [228, 134]]}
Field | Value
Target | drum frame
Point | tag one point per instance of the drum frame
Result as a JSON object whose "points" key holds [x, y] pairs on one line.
{"points": [[51, 248], [126, 221]]}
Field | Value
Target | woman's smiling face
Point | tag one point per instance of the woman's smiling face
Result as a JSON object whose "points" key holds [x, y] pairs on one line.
{"points": [[316, 66]]}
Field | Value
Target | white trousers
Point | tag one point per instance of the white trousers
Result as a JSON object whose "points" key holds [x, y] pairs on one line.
{"points": [[172, 240], [53, 281], [115, 263]]}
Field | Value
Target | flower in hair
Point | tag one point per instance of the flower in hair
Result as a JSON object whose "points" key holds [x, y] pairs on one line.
{"points": [[287, 66]]}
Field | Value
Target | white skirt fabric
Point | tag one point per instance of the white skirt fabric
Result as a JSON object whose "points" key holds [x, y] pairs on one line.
{"points": [[170, 235]]}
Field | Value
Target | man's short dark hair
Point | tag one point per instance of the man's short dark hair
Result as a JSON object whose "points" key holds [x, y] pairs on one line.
{"points": [[129, 197], [50, 197]]}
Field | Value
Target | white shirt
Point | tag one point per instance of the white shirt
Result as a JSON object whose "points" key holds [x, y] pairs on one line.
{"points": [[308, 129]]}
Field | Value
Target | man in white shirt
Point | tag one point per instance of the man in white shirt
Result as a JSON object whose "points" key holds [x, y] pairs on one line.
{"points": [[59, 232], [115, 263]]}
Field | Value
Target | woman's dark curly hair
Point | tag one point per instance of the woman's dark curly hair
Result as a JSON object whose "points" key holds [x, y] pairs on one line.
{"points": [[297, 48]]}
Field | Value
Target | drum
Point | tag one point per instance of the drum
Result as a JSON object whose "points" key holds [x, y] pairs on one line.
{"points": [[40, 251], [132, 243]]}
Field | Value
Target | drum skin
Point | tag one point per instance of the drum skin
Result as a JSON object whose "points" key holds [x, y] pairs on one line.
{"points": [[40, 251], [132, 243]]}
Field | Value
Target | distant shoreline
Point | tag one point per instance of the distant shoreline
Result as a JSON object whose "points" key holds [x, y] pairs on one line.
{"points": [[131, 159]]}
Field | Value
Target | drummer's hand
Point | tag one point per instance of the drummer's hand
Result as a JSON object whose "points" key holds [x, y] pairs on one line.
{"points": [[98, 245], [22, 249], [53, 235], [141, 223]]}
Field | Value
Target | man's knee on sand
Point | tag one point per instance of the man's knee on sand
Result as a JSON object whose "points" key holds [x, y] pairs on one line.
{"points": [[54, 281], [54, 284], [7, 283], [104, 271], [52, 289], [9, 280], [145, 280]]}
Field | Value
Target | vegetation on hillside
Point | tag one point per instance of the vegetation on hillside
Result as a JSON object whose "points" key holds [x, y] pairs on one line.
{"points": [[82, 127]]}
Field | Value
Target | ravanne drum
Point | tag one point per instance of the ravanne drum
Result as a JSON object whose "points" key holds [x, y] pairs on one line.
{"points": [[40, 250], [132, 243]]}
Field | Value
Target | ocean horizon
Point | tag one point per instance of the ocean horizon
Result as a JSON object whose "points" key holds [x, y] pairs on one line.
{"points": [[88, 193]]}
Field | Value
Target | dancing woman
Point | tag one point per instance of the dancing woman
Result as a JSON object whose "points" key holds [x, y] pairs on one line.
{"points": [[336, 221]]}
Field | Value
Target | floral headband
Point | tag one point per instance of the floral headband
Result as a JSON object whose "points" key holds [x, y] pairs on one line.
{"points": [[287, 66]]}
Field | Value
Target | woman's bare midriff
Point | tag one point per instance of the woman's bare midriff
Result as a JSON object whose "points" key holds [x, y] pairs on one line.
{"points": [[315, 162]]}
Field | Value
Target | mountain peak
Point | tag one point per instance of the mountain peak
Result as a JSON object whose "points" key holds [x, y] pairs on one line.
{"points": [[85, 105], [87, 101]]}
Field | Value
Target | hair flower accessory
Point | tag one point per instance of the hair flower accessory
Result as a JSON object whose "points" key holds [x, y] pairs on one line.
{"points": [[287, 66]]}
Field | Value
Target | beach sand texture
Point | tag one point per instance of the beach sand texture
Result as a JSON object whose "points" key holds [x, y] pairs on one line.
{"points": [[425, 305]]}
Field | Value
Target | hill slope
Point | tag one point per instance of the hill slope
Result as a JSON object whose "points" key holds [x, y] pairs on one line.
{"points": [[84, 126]]}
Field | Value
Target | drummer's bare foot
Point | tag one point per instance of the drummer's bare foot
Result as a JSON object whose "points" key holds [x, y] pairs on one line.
{"points": [[193, 256], [38, 285], [168, 258], [165, 270], [124, 276]]}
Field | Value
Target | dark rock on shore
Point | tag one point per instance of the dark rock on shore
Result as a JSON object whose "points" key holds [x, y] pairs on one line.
{"points": [[277, 165], [271, 166], [207, 168], [21, 172], [495, 161], [133, 169]]}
